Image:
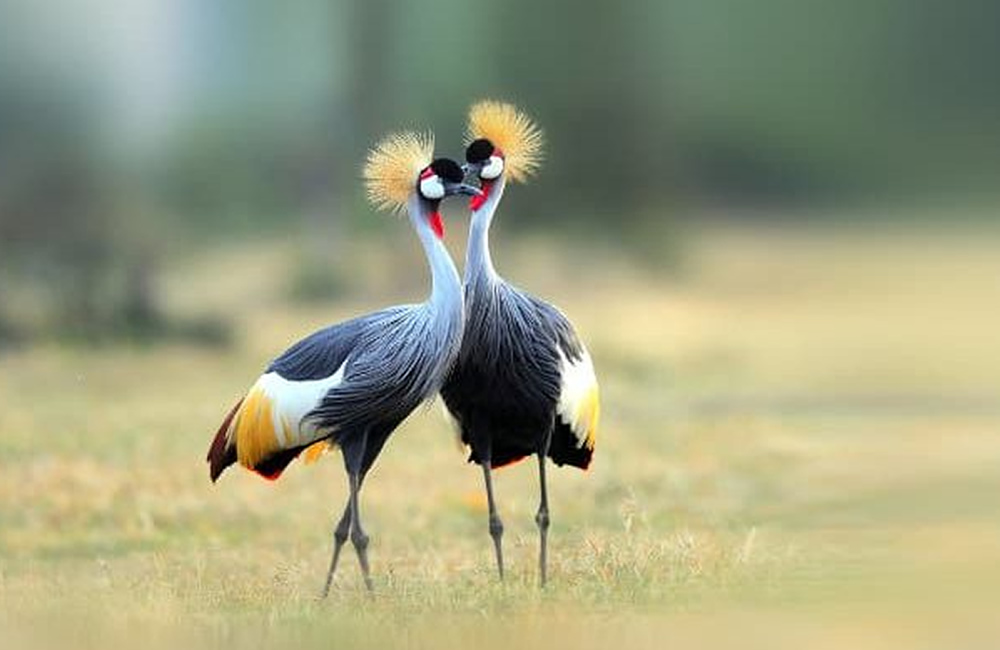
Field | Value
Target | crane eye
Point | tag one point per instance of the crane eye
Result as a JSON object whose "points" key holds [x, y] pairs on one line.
{"points": [[431, 187], [492, 169]]}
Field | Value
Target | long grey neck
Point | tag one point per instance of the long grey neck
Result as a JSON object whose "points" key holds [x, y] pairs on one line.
{"points": [[478, 263], [446, 288]]}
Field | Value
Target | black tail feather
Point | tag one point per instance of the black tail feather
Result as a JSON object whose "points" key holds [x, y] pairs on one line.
{"points": [[272, 466], [564, 449], [221, 454]]}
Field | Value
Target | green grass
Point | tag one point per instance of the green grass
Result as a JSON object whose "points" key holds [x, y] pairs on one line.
{"points": [[799, 447]]}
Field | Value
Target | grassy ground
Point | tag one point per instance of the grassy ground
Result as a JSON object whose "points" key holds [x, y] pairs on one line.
{"points": [[800, 446]]}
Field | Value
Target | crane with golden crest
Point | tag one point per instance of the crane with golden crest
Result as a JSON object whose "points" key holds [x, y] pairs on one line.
{"points": [[351, 384], [523, 383]]}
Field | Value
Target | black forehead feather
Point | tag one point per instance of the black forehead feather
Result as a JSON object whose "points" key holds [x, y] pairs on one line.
{"points": [[448, 170], [479, 151]]}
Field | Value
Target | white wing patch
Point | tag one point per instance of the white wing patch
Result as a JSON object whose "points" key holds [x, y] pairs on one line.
{"points": [[579, 399], [456, 426], [291, 401], [270, 417]]}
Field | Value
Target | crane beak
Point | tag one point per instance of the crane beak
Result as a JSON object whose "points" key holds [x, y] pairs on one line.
{"points": [[451, 189]]}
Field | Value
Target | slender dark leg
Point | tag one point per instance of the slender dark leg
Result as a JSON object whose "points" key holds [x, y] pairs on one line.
{"points": [[353, 449], [542, 517], [339, 538], [358, 537], [496, 526]]}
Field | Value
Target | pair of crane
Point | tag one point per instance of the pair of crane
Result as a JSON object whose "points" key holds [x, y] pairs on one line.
{"points": [[510, 369]]}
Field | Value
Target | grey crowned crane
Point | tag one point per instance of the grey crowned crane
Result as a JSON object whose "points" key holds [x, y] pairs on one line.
{"points": [[523, 382], [351, 384]]}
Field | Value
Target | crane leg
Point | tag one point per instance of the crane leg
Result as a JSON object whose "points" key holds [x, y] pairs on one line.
{"points": [[542, 516], [339, 538], [496, 526], [359, 539]]}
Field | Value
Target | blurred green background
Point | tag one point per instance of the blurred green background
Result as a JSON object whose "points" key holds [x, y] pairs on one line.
{"points": [[774, 223], [132, 133]]}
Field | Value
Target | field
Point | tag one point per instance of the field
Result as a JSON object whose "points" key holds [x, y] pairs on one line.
{"points": [[800, 447]]}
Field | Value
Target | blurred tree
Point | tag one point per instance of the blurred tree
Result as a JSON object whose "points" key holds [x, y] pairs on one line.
{"points": [[586, 73], [327, 168], [73, 233], [54, 222]]}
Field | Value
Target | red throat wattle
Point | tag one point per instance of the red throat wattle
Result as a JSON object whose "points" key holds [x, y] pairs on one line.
{"points": [[437, 224], [477, 201]]}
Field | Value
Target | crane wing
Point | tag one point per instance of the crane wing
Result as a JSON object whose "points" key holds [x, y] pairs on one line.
{"points": [[579, 405], [267, 429]]}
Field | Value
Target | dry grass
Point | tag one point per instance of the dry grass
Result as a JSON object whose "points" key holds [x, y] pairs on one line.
{"points": [[800, 447]]}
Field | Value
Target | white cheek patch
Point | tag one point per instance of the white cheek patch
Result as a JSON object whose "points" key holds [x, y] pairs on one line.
{"points": [[432, 188], [492, 169]]}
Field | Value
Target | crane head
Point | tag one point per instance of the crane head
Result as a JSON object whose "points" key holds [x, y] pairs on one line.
{"points": [[402, 165], [485, 159], [502, 140], [443, 177]]}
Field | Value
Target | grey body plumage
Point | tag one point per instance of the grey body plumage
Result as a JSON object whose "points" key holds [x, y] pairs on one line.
{"points": [[352, 383], [507, 385]]}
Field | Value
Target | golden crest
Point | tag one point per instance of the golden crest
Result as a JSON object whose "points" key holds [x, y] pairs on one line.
{"points": [[510, 130], [393, 166]]}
